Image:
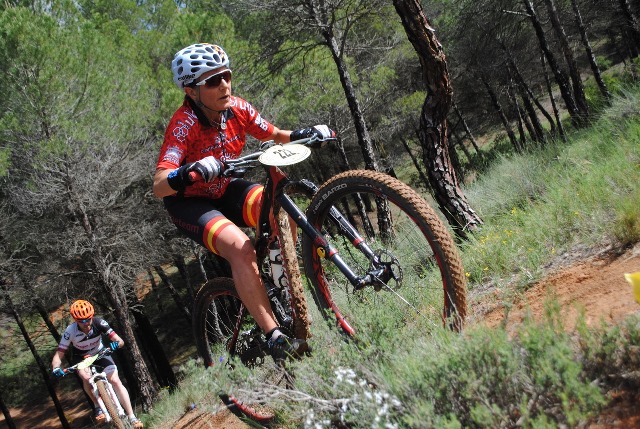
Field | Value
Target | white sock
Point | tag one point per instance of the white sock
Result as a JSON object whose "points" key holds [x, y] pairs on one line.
{"points": [[276, 333]]}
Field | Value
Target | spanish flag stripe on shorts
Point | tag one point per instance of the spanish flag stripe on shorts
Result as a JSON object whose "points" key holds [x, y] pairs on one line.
{"points": [[252, 204], [212, 230]]}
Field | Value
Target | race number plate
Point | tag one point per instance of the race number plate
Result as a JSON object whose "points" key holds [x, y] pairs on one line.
{"points": [[287, 154]]}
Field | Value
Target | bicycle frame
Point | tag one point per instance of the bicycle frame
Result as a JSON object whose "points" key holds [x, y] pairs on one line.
{"points": [[275, 197], [274, 186]]}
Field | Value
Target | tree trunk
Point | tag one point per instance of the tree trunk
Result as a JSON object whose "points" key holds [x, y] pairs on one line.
{"points": [[560, 76], [423, 178], [455, 161], [574, 72], [631, 28], [590, 56], [500, 111], [354, 106], [467, 130], [42, 312], [182, 268], [154, 291], [523, 85], [460, 143], [184, 309], [433, 126], [533, 116], [7, 414], [149, 340], [521, 133], [145, 384], [552, 99], [41, 366]]}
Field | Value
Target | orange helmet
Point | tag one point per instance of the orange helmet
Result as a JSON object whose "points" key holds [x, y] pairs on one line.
{"points": [[81, 309]]}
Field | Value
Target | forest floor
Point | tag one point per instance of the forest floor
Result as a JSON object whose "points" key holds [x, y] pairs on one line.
{"points": [[594, 284]]}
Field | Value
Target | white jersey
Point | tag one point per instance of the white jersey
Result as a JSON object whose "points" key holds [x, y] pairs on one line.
{"points": [[82, 344]]}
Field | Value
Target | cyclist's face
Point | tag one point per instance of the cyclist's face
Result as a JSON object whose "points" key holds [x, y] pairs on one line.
{"points": [[84, 324], [215, 93]]}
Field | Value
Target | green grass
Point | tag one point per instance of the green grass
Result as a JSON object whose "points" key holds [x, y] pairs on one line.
{"points": [[582, 193]]}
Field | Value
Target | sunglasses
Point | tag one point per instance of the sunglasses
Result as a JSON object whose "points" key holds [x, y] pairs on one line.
{"points": [[215, 80], [83, 321]]}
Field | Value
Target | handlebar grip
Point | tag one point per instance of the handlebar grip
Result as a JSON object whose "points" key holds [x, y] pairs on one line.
{"points": [[195, 176]]}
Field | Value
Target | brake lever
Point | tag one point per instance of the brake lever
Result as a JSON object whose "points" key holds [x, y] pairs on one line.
{"points": [[234, 172], [267, 144]]}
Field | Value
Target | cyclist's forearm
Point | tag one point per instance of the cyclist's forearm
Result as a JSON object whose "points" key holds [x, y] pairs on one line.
{"points": [[120, 341], [57, 360], [161, 186], [280, 136]]}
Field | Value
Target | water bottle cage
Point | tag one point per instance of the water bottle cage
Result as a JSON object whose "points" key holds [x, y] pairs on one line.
{"points": [[277, 272]]}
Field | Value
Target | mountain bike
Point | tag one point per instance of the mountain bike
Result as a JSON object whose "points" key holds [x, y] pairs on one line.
{"points": [[369, 243], [102, 389]]}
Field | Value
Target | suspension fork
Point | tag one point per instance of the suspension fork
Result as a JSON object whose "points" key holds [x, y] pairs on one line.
{"points": [[341, 222], [94, 385]]}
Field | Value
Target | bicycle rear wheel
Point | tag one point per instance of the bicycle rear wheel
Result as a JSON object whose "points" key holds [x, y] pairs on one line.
{"points": [[415, 272], [105, 395], [222, 327]]}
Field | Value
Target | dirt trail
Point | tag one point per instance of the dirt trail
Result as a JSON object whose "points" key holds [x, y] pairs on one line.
{"points": [[595, 284]]}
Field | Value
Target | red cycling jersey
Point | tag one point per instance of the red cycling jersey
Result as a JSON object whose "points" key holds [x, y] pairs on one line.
{"points": [[188, 140]]}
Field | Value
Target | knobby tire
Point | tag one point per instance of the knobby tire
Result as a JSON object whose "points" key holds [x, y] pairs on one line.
{"points": [[414, 240], [103, 391], [301, 323]]}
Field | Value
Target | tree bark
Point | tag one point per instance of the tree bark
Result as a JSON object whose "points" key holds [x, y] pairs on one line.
{"points": [[552, 99], [433, 126], [114, 289], [184, 309], [632, 27], [574, 72], [360, 125], [149, 340], [423, 178], [590, 55], [182, 268], [7, 414], [559, 74], [467, 130], [520, 126], [500, 111], [519, 79]]}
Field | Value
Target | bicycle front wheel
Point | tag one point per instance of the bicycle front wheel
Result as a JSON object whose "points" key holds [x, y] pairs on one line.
{"points": [[105, 395], [404, 261]]}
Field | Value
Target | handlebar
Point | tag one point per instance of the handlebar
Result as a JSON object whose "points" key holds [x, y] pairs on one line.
{"points": [[234, 167], [88, 361]]}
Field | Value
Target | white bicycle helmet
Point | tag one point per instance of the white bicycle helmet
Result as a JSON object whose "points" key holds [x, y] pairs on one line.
{"points": [[194, 60]]}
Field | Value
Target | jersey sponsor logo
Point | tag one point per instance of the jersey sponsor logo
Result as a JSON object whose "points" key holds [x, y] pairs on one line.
{"points": [[263, 124], [173, 154], [243, 105], [194, 229], [217, 143], [67, 336], [181, 130]]}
